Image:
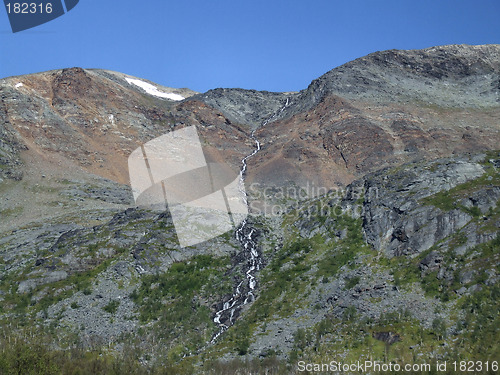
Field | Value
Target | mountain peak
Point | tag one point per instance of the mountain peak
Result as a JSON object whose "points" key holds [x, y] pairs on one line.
{"points": [[454, 61], [436, 75]]}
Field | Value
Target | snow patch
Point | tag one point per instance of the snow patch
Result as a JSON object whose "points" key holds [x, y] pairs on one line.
{"points": [[18, 85], [153, 90]]}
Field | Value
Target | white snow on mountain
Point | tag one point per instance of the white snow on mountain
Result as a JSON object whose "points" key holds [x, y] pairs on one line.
{"points": [[153, 90]]}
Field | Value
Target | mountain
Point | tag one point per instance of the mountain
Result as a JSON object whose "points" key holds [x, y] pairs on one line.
{"points": [[373, 231], [384, 109]]}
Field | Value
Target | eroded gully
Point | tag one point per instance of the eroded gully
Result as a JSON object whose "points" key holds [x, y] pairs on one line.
{"points": [[246, 235]]}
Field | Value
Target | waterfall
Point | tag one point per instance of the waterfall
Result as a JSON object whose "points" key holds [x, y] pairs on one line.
{"points": [[247, 237]]}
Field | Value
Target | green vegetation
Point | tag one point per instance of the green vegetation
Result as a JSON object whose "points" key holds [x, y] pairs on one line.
{"points": [[296, 268], [283, 281], [37, 188], [111, 307], [177, 301], [347, 248], [178, 286], [270, 365], [481, 326], [11, 211], [23, 304], [407, 270], [35, 356]]}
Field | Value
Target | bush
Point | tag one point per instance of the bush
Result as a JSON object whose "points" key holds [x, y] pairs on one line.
{"points": [[112, 306], [242, 342], [349, 314], [352, 282], [439, 328]]}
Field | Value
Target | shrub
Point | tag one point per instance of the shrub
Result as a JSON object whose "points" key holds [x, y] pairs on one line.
{"points": [[352, 282], [112, 306]]}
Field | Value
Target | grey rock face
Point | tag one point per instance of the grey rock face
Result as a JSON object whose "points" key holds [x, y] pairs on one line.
{"points": [[467, 276], [247, 107], [395, 219], [51, 277], [483, 199], [106, 191], [431, 262], [10, 145]]}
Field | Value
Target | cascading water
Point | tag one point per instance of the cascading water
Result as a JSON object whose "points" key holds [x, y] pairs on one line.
{"points": [[247, 237]]}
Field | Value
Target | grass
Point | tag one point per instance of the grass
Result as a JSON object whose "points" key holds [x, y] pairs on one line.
{"points": [[282, 280], [481, 324], [181, 282], [11, 211], [42, 189], [23, 353]]}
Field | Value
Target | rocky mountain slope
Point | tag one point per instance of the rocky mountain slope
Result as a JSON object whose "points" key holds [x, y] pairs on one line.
{"points": [[374, 204], [383, 109]]}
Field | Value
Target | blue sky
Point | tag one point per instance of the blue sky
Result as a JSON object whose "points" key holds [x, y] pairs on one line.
{"points": [[265, 45]]}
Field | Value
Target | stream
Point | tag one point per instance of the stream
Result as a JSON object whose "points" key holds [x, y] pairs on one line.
{"points": [[247, 237]]}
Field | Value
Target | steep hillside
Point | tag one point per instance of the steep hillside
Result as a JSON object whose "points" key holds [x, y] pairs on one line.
{"points": [[72, 131], [402, 264], [384, 109], [380, 110], [386, 270]]}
